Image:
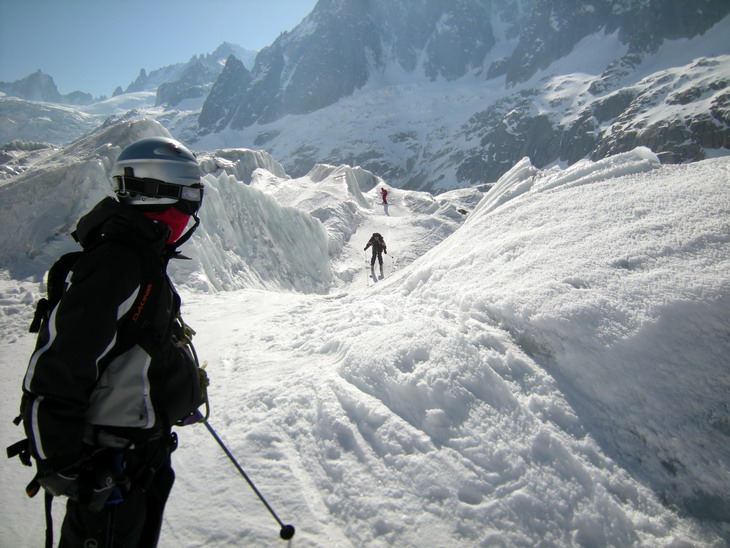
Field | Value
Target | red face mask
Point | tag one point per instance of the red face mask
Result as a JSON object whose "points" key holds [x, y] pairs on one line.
{"points": [[172, 217]]}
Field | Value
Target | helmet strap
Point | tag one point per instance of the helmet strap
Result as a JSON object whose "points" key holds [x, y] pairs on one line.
{"points": [[174, 219], [185, 237]]}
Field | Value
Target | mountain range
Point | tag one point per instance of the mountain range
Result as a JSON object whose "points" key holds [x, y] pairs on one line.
{"points": [[437, 94]]}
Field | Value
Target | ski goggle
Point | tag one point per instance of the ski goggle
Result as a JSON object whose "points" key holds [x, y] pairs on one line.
{"points": [[189, 198]]}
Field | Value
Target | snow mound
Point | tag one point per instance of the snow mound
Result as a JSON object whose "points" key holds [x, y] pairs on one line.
{"points": [[612, 276]]}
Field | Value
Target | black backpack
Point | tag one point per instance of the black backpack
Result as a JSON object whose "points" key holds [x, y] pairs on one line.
{"points": [[151, 283], [56, 285], [129, 331]]}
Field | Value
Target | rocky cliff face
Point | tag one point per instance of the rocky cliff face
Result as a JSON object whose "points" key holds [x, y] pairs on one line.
{"points": [[35, 87], [346, 46], [194, 82], [225, 97], [678, 113], [554, 28], [304, 71], [343, 43], [180, 79]]}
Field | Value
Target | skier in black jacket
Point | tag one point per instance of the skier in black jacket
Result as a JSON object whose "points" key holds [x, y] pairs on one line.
{"points": [[100, 397], [379, 247]]}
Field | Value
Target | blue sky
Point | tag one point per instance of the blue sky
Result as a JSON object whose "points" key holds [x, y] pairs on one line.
{"points": [[96, 45]]}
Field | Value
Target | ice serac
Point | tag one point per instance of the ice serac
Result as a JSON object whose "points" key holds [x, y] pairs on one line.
{"points": [[44, 203], [239, 162], [550, 365], [247, 239], [356, 179]]}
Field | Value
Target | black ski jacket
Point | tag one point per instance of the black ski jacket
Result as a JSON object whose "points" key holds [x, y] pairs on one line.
{"points": [[83, 377], [376, 240]]}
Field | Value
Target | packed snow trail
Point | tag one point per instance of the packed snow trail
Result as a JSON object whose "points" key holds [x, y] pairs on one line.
{"points": [[354, 437]]}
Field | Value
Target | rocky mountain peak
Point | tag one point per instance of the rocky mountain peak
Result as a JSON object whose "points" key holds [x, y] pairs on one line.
{"points": [[34, 87], [222, 102]]}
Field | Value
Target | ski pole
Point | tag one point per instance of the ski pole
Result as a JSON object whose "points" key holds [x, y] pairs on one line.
{"points": [[287, 531], [367, 269]]}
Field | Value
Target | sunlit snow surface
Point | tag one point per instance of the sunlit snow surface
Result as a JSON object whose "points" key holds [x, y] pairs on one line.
{"points": [[550, 369]]}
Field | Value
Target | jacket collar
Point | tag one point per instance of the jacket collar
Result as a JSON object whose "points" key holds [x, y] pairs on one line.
{"points": [[110, 218]]}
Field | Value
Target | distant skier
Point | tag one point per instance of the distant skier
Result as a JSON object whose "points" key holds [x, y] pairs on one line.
{"points": [[379, 247], [384, 193]]}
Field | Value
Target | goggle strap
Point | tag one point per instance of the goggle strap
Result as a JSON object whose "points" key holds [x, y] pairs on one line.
{"points": [[154, 188]]}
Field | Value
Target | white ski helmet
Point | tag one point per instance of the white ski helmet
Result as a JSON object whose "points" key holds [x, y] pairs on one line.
{"points": [[158, 171]]}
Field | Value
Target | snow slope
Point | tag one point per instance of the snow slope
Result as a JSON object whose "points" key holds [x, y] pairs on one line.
{"points": [[551, 371]]}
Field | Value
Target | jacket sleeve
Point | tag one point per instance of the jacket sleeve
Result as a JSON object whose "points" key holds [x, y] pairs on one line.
{"points": [[82, 329]]}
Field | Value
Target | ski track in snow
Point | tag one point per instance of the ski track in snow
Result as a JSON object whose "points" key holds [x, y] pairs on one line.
{"points": [[493, 390]]}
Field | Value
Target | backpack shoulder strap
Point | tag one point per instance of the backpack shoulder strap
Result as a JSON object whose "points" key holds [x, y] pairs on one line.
{"points": [[55, 286], [151, 282]]}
